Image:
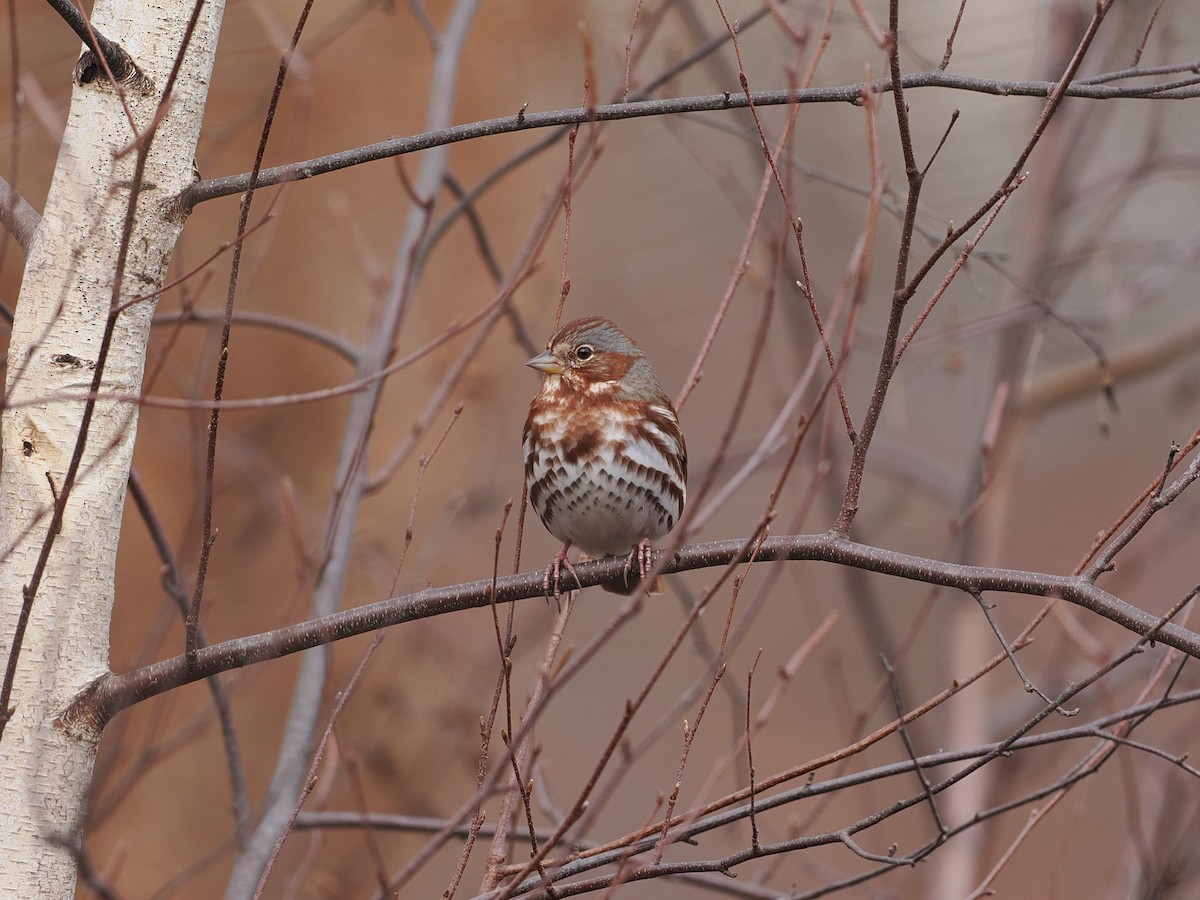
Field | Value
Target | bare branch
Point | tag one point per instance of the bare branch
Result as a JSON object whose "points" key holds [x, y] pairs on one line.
{"points": [[103, 56], [351, 475], [1180, 89], [17, 215], [209, 535], [311, 778], [112, 693]]}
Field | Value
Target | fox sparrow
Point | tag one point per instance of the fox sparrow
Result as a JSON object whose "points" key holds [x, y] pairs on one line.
{"points": [[605, 460]]}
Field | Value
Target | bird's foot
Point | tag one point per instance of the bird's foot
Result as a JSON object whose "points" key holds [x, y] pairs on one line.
{"points": [[552, 580], [643, 556]]}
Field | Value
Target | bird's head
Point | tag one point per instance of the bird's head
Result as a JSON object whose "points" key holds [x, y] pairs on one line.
{"points": [[593, 355]]}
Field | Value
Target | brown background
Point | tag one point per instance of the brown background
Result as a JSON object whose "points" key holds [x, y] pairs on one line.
{"points": [[657, 228]]}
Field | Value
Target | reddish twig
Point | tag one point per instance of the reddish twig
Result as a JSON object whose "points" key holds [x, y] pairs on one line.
{"points": [[208, 533], [311, 779], [945, 63]]}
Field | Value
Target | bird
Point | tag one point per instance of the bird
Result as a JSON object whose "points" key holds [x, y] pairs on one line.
{"points": [[605, 459]]}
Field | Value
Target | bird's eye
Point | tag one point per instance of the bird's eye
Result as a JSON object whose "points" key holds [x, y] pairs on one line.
{"points": [[584, 352]]}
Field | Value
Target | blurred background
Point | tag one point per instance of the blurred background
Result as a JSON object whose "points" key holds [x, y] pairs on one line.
{"points": [[1094, 258]]}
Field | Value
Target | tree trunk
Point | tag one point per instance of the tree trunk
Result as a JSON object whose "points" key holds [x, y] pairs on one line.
{"points": [[61, 319]]}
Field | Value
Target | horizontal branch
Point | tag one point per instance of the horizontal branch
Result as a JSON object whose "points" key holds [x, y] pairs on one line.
{"points": [[1097, 729], [344, 348], [625, 849], [112, 693], [1094, 88]]}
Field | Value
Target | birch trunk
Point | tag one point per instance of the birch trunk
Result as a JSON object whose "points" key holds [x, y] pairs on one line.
{"points": [[64, 303]]}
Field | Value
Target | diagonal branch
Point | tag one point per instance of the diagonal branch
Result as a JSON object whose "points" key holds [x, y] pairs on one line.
{"points": [[351, 479], [107, 57], [113, 693], [17, 215]]}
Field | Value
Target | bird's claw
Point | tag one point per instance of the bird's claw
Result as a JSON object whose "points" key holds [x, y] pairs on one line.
{"points": [[552, 579], [644, 557]]}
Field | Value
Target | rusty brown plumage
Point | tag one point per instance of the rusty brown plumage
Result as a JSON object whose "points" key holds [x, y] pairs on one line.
{"points": [[605, 460]]}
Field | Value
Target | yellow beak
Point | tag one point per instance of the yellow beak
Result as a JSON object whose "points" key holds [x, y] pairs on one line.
{"points": [[545, 362]]}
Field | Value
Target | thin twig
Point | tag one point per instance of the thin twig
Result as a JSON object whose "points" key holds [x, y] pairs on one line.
{"points": [[750, 750], [311, 778], [173, 584], [208, 533], [1154, 487], [609, 854], [1008, 651], [1137, 54], [1159, 500], [945, 63], [898, 703], [350, 477], [905, 286], [347, 350]]}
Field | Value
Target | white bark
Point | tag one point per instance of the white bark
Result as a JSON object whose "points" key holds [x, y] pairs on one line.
{"points": [[65, 298]]}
